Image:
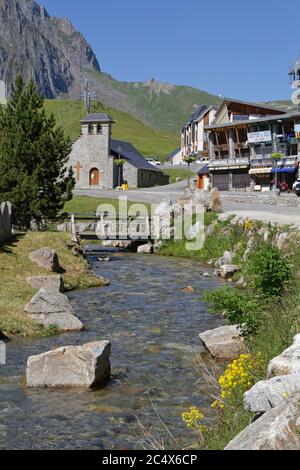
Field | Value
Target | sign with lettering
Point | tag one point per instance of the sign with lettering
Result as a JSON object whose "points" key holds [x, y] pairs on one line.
{"points": [[259, 137]]}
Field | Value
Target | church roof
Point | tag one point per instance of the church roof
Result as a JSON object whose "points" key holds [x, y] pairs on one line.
{"points": [[129, 153], [93, 118]]}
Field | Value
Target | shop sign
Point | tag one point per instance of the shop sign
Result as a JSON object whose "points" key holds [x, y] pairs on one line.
{"points": [[259, 137]]}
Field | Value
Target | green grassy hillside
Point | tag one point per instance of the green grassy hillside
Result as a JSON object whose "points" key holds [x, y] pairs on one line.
{"points": [[159, 105], [148, 141]]}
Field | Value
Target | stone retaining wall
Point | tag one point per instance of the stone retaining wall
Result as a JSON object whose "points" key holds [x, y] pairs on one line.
{"points": [[5, 223], [284, 200]]}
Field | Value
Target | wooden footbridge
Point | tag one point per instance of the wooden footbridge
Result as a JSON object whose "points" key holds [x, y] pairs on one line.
{"points": [[93, 226]]}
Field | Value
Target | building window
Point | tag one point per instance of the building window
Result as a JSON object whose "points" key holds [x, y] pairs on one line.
{"points": [[99, 129], [90, 129], [240, 117]]}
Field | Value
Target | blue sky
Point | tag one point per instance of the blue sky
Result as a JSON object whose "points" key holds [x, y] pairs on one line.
{"points": [[235, 48]]}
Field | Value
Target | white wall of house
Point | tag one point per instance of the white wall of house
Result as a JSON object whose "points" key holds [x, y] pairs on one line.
{"points": [[178, 158], [198, 144]]}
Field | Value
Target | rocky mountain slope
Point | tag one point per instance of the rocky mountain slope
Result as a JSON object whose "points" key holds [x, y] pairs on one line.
{"points": [[56, 56], [45, 48]]}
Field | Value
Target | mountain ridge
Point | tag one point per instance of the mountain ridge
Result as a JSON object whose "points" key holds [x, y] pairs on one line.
{"points": [[56, 56]]}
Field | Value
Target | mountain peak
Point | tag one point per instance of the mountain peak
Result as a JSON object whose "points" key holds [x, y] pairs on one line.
{"points": [[45, 48]]}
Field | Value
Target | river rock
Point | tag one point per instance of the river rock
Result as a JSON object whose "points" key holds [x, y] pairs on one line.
{"points": [[124, 244], [287, 362], [224, 342], [48, 282], [195, 230], [3, 338], [145, 249], [227, 258], [215, 203], [267, 394], [71, 366], [278, 429], [229, 270], [3, 341], [241, 282], [281, 240], [188, 289], [46, 258], [50, 307]]}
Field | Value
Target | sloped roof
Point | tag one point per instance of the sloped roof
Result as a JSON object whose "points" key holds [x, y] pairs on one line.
{"points": [[172, 154], [131, 154], [204, 170], [199, 113], [279, 117], [94, 118]]}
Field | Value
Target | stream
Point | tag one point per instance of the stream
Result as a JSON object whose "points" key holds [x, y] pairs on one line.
{"points": [[153, 327]]}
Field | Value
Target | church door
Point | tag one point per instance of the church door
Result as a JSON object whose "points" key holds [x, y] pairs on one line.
{"points": [[94, 177]]}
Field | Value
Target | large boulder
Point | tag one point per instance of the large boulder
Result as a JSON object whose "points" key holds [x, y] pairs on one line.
{"points": [[278, 429], [48, 282], [50, 307], [46, 258], [215, 203], [229, 270], [287, 362], [71, 366], [224, 342], [267, 394], [146, 249]]}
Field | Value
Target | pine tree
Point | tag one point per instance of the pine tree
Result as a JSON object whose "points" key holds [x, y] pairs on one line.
{"points": [[33, 158]]}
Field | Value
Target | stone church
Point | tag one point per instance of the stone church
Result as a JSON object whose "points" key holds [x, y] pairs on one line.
{"points": [[94, 152]]}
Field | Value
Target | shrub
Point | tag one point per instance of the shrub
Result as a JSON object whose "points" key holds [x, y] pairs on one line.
{"points": [[268, 269], [240, 307]]}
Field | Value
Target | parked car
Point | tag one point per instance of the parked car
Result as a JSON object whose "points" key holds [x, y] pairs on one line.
{"points": [[153, 162], [202, 160], [296, 187], [296, 182]]}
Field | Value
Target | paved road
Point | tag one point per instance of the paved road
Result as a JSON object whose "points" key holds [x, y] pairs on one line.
{"points": [[150, 195], [264, 212]]}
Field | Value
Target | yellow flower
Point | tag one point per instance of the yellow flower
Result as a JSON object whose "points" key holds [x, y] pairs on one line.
{"points": [[192, 419]]}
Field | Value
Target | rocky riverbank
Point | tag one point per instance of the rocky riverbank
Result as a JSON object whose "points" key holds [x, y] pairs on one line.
{"points": [[264, 262], [35, 261]]}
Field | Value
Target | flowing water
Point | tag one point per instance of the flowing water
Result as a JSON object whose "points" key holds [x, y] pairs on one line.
{"points": [[153, 327]]}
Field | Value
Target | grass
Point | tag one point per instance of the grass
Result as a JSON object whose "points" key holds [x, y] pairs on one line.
{"points": [[167, 107], [15, 293], [175, 173], [90, 204], [273, 282], [149, 142], [215, 244]]}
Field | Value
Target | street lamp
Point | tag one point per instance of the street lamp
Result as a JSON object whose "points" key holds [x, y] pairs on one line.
{"points": [[190, 158], [120, 163]]}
